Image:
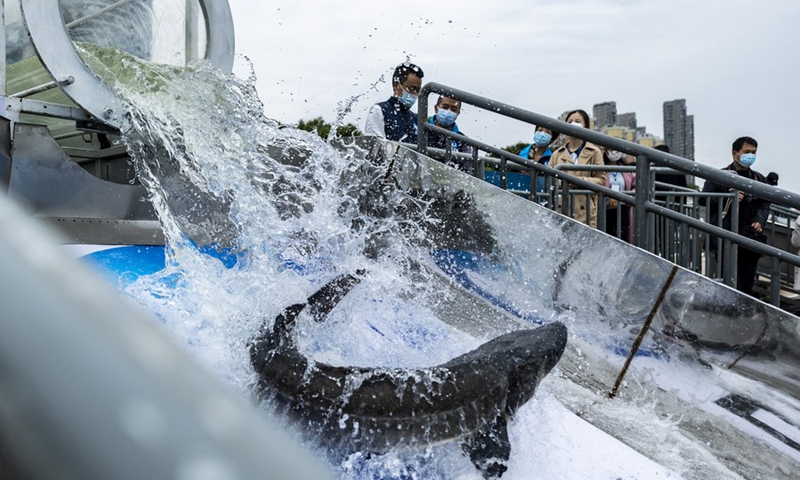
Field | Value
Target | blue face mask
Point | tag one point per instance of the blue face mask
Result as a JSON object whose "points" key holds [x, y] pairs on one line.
{"points": [[446, 117], [747, 159], [407, 99], [541, 139]]}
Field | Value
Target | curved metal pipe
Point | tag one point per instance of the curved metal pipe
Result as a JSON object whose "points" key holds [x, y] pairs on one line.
{"points": [[53, 46]]}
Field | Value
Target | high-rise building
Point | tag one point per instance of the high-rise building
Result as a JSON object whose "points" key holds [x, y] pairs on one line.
{"points": [[627, 120], [690, 137], [679, 129], [605, 114]]}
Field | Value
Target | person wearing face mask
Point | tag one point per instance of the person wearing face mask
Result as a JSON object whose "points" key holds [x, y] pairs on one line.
{"points": [[393, 119], [619, 182], [539, 152], [753, 212], [446, 111], [579, 152]]}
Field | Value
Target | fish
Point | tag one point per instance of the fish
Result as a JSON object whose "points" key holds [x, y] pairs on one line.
{"points": [[373, 410]]}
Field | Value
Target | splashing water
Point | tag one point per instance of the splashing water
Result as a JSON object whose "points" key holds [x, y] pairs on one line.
{"points": [[257, 216], [215, 170]]}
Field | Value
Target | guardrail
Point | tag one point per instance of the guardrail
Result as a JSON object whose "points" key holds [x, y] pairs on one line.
{"points": [[648, 209]]}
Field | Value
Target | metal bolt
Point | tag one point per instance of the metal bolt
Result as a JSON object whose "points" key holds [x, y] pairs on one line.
{"points": [[108, 113]]}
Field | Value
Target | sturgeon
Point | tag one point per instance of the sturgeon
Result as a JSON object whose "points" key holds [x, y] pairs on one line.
{"points": [[350, 409]]}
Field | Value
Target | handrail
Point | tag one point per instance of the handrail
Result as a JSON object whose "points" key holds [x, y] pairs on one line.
{"points": [[688, 167], [648, 161], [520, 167], [692, 222]]}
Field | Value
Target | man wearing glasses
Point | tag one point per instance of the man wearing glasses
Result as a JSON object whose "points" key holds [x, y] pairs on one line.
{"points": [[393, 119]]}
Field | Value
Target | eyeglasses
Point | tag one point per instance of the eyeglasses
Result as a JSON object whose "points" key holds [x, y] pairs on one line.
{"points": [[412, 89]]}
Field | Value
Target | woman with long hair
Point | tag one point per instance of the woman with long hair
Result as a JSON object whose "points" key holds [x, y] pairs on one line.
{"points": [[579, 152]]}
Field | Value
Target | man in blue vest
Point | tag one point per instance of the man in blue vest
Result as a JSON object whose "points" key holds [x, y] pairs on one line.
{"points": [[393, 119], [446, 111]]}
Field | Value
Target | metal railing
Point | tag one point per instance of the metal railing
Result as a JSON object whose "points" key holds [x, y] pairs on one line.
{"points": [[653, 211]]}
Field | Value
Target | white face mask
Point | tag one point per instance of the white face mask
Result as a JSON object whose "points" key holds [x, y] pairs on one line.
{"points": [[577, 123], [614, 156]]}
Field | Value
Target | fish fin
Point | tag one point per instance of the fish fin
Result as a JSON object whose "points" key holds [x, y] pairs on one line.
{"points": [[489, 448]]}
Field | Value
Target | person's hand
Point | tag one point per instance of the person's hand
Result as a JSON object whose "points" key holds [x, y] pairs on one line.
{"points": [[612, 203], [756, 226], [741, 195]]}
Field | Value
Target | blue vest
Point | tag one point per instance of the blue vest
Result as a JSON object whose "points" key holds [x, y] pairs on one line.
{"points": [[545, 160], [399, 121]]}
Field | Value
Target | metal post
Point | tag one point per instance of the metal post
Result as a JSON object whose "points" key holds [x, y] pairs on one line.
{"points": [[643, 196], [422, 122], [566, 198], [775, 282], [479, 165], [503, 173], [697, 246], [734, 250], [602, 221], [726, 263], [448, 151], [192, 49], [533, 184], [668, 242]]}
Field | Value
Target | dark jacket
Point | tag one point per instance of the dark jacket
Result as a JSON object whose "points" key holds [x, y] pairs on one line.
{"points": [[677, 179], [399, 121], [436, 140], [751, 208]]}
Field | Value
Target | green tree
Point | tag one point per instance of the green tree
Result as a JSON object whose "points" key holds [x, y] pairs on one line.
{"points": [[515, 148], [347, 130], [318, 125], [323, 128]]}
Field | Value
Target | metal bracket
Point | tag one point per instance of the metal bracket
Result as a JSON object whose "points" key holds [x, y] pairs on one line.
{"points": [[12, 107]]}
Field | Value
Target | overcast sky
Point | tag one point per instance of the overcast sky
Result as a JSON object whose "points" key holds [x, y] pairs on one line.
{"points": [[736, 62]]}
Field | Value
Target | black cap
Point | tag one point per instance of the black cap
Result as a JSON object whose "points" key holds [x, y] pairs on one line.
{"points": [[772, 178]]}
